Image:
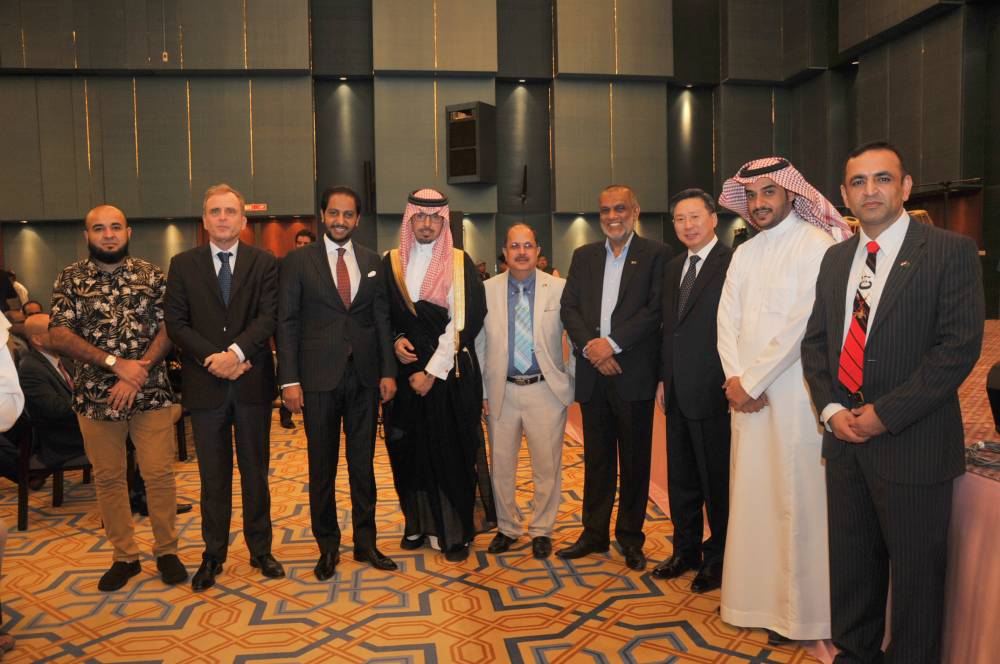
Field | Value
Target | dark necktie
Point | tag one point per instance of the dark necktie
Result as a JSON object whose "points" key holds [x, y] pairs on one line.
{"points": [[343, 278], [852, 358], [225, 276], [65, 375], [687, 283]]}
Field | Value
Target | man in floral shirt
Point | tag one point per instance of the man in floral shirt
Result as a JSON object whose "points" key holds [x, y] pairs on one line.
{"points": [[107, 314]]}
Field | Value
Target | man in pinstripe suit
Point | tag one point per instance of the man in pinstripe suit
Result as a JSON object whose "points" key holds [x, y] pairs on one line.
{"points": [[896, 327]]}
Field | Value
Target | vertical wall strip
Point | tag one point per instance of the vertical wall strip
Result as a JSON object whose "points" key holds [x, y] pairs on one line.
{"points": [[135, 127]]}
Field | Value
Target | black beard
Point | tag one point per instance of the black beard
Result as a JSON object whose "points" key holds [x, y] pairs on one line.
{"points": [[329, 234], [108, 257]]}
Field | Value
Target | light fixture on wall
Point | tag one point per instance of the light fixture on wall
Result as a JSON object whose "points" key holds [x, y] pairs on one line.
{"points": [[343, 78], [24, 221], [521, 80], [688, 86]]}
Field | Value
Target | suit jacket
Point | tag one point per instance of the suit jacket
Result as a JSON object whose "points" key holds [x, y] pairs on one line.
{"points": [[492, 345], [201, 324], [48, 402], [925, 338], [316, 330], [689, 354], [635, 321]]}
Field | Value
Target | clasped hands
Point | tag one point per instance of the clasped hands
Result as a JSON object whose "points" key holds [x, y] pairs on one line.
{"points": [[226, 365], [740, 400], [420, 381], [856, 425], [602, 356], [132, 375]]}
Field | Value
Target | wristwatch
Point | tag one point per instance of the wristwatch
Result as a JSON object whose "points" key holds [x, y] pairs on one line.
{"points": [[110, 360]]}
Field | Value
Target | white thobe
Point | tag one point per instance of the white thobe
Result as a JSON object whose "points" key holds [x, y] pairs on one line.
{"points": [[776, 569]]}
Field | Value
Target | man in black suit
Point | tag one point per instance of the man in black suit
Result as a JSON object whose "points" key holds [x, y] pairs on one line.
{"points": [[335, 361], [303, 237], [220, 309], [611, 308], [691, 394], [896, 327]]}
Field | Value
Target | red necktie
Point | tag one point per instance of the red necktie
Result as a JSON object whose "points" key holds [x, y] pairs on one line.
{"points": [[852, 358], [343, 278], [65, 375]]}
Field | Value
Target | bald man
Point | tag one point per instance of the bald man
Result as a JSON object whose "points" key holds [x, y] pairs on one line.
{"points": [[107, 314]]}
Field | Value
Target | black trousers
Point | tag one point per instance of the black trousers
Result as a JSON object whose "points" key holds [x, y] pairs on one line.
{"points": [[875, 527], [697, 477], [355, 405], [213, 440], [617, 440]]}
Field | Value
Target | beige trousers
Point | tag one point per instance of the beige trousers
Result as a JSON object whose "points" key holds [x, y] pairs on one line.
{"points": [[152, 434], [535, 412]]}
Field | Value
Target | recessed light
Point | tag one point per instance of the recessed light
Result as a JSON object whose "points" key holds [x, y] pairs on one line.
{"points": [[688, 86], [343, 78], [521, 80], [24, 221], [856, 62]]}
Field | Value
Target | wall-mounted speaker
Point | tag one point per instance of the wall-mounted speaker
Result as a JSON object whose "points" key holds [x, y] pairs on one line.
{"points": [[471, 138]]}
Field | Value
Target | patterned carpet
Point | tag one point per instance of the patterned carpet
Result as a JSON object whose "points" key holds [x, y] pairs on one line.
{"points": [[507, 608]]}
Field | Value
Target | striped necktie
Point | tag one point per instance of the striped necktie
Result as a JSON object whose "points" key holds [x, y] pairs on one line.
{"points": [[522, 332], [851, 372]]}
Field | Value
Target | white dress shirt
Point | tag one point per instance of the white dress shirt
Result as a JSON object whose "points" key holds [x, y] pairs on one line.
{"points": [[443, 358], [889, 243], [217, 263], [702, 254], [350, 259]]}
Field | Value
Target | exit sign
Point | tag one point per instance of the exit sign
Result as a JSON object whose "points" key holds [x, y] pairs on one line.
{"points": [[256, 207]]}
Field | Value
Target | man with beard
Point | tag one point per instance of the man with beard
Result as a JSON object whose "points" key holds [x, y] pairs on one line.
{"points": [[775, 574], [611, 310], [896, 328], [107, 314], [334, 364], [221, 309], [434, 431]]}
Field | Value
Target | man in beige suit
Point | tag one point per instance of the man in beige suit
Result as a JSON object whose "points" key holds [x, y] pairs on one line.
{"points": [[526, 386]]}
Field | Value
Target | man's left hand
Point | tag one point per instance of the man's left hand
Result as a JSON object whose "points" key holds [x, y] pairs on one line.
{"points": [[240, 369], [867, 423], [122, 395], [598, 350], [737, 396], [221, 365], [422, 382], [387, 389], [609, 367]]}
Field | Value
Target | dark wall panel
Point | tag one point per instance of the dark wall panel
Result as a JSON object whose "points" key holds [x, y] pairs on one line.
{"points": [[818, 129], [10, 35], [645, 37], [282, 144], [214, 34], [163, 146], [752, 32], [524, 38], [639, 137], [523, 140], [115, 106], [863, 20], [64, 181], [581, 129], [904, 109], [467, 35], [689, 139], [696, 41], [220, 136], [48, 33], [443, 35], [585, 39], [20, 167], [345, 136], [278, 34], [745, 130], [403, 35], [342, 37]]}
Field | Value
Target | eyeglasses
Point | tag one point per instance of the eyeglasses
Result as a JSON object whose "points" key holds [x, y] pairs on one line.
{"points": [[421, 217]]}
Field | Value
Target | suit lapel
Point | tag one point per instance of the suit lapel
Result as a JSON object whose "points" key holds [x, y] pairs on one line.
{"points": [[206, 267], [841, 273], [244, 258], [708, 270], [632, 260], [499, 305], [60, 379], [907, 262], [322, 264], [364, 267], [541, 299]]}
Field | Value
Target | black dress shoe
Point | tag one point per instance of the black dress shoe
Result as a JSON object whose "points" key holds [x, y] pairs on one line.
{"points": [[709, 577], [184, 508], [268, 566], [204, 578], [775, 639], [172, 570], [410, 544], [579, 549], [674, 566], [326, 566], [541, 547], [500, 543], [457, 555], [118, 575], [634, 557], [375, 558]]}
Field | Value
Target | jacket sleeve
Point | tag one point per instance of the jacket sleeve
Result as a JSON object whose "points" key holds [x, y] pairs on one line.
{"points": [[815, 351], [571, 304], [648, 319], [177, 315], [289, 323], [257, 335]]}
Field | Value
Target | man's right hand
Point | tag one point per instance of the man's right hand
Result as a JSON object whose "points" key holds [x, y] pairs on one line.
{"points": [[840, 424], [659, 397], [132, 371], [486, 407], [122, 395], [292, 396], [404, 351]]}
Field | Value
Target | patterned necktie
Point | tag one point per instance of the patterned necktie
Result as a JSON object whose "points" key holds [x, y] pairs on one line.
{"points": [[522, 333], [65, 375], [852, 358], [343, 278], [687, 283], [225, 276]]}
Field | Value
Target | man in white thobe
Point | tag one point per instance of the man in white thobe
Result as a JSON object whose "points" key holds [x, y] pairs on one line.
{"points": [[776, 570]]}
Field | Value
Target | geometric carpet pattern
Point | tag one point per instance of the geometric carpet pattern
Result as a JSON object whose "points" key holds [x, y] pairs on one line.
{"points": [[506, 608]]}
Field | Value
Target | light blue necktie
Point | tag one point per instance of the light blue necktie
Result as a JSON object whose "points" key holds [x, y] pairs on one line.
{"points": [[522, 333], [225, 276]]}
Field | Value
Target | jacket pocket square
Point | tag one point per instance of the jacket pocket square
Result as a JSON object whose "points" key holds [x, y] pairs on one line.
{"points": [[372, 273]]}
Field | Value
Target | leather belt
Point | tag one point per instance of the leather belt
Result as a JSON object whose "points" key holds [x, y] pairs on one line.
{"points": [[525, 380]]}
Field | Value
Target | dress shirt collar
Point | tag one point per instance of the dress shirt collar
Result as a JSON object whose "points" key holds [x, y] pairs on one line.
{"points": [[703, 253], [331, 246], [53, 359], [610, 251], [890, 240], [215, 249], [774, 231], [514, 284], [423, 249]]}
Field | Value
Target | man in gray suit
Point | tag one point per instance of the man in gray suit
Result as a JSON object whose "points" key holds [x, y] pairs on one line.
{"points": [[526, 388], [896, 327]]}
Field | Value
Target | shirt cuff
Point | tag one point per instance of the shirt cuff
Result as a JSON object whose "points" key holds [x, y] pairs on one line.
{"points": [[615, 347], [828, 412], [438, 368], [289, 385], [239, 352]]}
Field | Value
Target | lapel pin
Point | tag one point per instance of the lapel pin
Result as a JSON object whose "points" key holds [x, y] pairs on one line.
{"points": [[904, 263], [372, 273], [633, 262]]}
